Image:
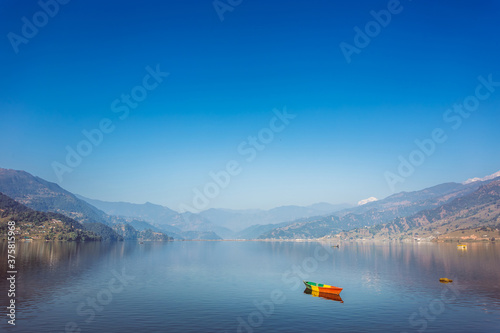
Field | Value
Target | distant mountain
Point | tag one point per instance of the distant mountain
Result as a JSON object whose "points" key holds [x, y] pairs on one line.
{"points": [[328, 208], [128, 232], [480, 208], [161, 219], [147, 212], [231, 219], [377, 212], [257, 230], [187, 235], [239, 220], [194, 222], [168, 229], [410, 202], [289, 213], [196, 235], [224, 222], [305, 228], [33, 224], [142, 225], [45, 196], [106, 233]]}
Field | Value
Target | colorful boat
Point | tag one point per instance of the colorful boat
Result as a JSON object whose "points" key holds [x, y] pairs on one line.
{"points": [[462, 246], [322, 288]]}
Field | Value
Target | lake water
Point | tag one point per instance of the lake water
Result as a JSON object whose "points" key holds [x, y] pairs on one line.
{"points": [[252, 287]]}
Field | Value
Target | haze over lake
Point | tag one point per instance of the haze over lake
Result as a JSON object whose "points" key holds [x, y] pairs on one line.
{"points": [[254, 287]]}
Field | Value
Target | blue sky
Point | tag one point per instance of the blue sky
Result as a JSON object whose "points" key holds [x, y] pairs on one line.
{"points": [[352, 120]]}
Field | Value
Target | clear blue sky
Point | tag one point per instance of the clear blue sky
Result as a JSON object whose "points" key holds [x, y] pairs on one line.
{"points": [[353, 120]]}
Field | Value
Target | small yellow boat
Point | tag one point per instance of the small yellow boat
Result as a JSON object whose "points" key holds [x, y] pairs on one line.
{"points": [[462, 246], [445, 280]]}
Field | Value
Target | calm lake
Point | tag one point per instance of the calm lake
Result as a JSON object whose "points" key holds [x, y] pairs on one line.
{"points": [[252, 287]]}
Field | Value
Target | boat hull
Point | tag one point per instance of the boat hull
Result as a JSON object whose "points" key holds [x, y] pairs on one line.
{"points": [[323, 288]]}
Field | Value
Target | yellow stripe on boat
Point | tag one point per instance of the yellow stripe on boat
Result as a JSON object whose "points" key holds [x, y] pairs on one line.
{"points": [[314, 288]]}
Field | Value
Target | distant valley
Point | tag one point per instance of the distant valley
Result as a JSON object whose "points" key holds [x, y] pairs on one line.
{"points": [[212, 223]]}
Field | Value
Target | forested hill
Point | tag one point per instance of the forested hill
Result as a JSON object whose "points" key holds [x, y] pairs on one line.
{"points": [[44, 196], [32, 224]]}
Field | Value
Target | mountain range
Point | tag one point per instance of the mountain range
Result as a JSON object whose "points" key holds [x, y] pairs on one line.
{"points": [[476, 215], [44, 196], [129, 220], [213, 223], [399, 205]]}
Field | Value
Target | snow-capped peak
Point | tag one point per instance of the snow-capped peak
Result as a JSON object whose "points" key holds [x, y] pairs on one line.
{"points": [[365, 201], [476, 179]]}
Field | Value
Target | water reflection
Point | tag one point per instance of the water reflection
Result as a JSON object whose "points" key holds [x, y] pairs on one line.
{"points": [[331, 297], [384, 283], [47, 267]]}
